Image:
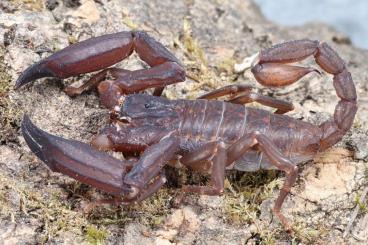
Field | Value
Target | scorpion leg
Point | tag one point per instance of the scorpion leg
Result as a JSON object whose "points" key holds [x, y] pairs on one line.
{"points": [[242, 94], [277, 159], [248, 97], [231, 90], [214, 152], [240, 147], [198, 159], [284, 164], [94, 81]]}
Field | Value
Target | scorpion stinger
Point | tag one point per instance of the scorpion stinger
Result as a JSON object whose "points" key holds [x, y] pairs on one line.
{"points": [[271, 71]]}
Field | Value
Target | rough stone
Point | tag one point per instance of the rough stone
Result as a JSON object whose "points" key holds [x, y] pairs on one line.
{"points": [[227, 32]]}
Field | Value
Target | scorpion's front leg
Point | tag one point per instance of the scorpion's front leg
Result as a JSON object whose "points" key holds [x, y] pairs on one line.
{"points": [[101, 52], [213, 153], [243, 94]]}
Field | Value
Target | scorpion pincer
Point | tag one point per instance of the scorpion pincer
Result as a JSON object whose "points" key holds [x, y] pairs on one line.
{"points": [[207, 135]]}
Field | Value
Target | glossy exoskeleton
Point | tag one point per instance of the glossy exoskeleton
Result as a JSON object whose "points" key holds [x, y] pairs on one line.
{"points": [[207, 135]]}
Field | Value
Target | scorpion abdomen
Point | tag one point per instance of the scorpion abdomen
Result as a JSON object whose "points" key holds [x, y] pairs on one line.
{"points": [[295, 139], [206, 121]]}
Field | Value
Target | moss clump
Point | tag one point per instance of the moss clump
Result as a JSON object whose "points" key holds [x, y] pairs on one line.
{"points": [[245, 192], [9, 113], [362, 204], [5, 78], [196, 64], [307, 235], [128, 21], [96, 236]]}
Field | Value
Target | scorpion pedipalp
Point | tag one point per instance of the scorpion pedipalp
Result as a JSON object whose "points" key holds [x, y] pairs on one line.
{"points": [[90, 166], [99, 53], [77, 159]]}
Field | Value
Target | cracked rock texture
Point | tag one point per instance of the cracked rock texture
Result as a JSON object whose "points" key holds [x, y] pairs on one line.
{"points": [[38, 206]]}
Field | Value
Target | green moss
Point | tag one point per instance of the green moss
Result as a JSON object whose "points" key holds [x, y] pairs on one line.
{"points": [[9, 114], [96, 236], [152, 211], [196, 64], [245, 192], [5, 78], [361, 204]]}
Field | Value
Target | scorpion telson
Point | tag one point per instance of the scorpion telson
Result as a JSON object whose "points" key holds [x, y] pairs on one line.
{"points": [[207, 135]]}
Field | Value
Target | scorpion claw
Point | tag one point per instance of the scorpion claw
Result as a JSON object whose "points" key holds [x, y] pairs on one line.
{"points": [[36, 71], [77, 159], [34, 138]]}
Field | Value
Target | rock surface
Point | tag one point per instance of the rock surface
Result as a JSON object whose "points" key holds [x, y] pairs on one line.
{"points": [[38, 206]]}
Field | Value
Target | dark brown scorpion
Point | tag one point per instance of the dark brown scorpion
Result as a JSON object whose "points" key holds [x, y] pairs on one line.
{"points": [[206, 135]]}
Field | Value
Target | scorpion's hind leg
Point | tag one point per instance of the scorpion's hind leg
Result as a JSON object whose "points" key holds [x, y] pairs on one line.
{"points": [[242, 94], [282, 163], [220, 157]]}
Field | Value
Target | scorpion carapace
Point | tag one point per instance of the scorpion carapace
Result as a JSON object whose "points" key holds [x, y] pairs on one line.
{"points": [[204, 134]]}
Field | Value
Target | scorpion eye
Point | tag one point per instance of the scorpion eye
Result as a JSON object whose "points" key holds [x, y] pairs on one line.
{"points": [[147, 105]]}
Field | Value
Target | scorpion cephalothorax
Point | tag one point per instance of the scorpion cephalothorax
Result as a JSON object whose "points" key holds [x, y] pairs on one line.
{"points": [[207, 135]]}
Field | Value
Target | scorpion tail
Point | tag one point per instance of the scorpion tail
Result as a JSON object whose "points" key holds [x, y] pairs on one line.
{"points": [[334, 129], [76, 159], [271, 71]]}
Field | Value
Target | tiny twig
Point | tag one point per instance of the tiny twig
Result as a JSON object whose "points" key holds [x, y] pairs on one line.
{"points": [[193, 77]]}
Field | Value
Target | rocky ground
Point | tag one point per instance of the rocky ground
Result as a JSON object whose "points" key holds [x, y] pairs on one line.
{"points": [[37, 206]]}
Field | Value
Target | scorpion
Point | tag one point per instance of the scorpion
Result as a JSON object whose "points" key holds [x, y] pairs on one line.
{"points": [[206, 135]]}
